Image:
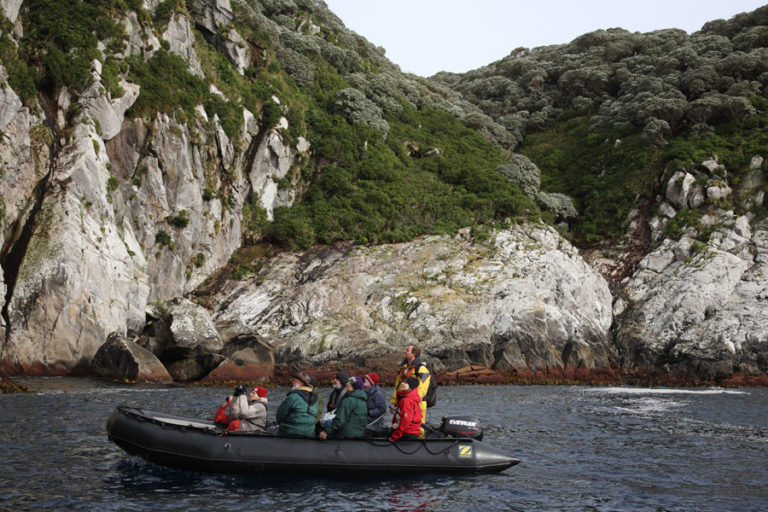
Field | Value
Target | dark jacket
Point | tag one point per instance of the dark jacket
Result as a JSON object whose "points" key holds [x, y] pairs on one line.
{"points": [[351, 416], [409, 413], [377, 407], [335, 398], [296, 415]]}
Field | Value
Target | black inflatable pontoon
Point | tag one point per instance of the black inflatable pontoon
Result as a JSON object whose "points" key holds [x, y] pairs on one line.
{"points": [[202, 446]]}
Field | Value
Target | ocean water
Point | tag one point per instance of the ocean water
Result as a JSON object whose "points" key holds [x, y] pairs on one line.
{"points": [[582, 448]]}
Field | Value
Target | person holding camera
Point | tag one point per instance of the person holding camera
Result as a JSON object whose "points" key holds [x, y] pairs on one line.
{"points": [[247, 410]]}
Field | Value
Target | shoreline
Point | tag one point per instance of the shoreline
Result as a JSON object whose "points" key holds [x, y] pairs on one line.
{"points": [[467, 376]]}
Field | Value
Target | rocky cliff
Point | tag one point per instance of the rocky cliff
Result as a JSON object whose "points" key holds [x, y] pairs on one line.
{"points": [[119, 230]]}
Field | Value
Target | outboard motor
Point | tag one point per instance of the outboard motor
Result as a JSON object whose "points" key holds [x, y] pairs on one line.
{"points": [[463, 427]]}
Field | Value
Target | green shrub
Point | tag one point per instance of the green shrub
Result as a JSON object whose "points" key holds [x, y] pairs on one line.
{"points": [[179, 220], [166, 84], [163, 238]]}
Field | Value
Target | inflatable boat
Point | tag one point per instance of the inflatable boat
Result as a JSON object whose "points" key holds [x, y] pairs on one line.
{"points": [[203, 446]]}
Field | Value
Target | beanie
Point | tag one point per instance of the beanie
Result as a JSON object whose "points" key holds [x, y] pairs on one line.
{"points": [[343, 377], [359, 383], [262, 392], [372, 379], [412, 382]]}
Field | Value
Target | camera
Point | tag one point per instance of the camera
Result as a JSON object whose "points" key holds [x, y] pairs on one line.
{"points": [[240, 390]]}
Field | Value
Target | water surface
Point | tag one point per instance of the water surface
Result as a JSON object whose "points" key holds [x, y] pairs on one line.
{"points": [[582, 448]]}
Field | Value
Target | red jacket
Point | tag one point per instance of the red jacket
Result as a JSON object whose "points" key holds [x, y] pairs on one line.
{"points": [[222, 418], [409, 411]]}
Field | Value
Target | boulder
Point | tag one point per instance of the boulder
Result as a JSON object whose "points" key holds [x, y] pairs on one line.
{"points": [[717, 189], [683, 192], [191, 329], [120, 358], [249, 358]]}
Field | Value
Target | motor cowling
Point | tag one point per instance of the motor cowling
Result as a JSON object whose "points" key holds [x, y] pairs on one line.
{"points": [[462, 427]]}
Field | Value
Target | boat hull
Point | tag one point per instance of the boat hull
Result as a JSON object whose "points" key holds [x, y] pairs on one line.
{"points": [[201, 446]]}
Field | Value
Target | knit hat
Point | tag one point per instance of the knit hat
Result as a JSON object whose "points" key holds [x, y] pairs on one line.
{"points": [[357, 382], [412, 382], [262, 392], [372, 379], [343, 377]]}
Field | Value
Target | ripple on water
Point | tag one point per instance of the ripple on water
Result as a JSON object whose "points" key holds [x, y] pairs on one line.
{"points": [[581, 449]]}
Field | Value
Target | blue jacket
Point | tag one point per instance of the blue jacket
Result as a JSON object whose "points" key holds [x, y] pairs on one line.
{"points": [[377, 407]]}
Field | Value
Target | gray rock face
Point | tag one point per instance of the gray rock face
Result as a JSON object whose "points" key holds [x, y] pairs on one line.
{"points": [[701, 312], [683, 192], [10, 8], [181, 39], [108, 111], [272, 162], [213, 14], [526, 299], [236, 48], [61, 311]]}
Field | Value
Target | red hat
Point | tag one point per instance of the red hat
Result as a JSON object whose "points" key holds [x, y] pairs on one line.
{"points": [[262, 392], [372, 379]]}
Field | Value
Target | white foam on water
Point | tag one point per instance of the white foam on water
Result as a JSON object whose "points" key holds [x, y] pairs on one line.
{"points": [[666, 391]]}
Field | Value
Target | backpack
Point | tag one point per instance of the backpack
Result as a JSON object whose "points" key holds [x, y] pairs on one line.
{"points": [[431, 395]]}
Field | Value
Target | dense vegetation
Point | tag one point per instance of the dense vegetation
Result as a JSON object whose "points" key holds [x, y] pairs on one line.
{"points": [[604, 119], [606, 116]]}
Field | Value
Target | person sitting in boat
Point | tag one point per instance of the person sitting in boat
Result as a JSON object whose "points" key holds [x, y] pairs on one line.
{"points": [[377, 404], [223, 413], [339, 391], [296, 415], [408, 410], [251, 410], [352, 415]]}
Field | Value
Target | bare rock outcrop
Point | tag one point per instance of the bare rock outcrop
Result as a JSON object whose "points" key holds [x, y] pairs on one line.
{"points": [[699, 309], [524, 299]]}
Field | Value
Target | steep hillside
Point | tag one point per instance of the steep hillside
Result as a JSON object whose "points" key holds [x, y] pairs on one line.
{"points": [[144, 142], [609, 117]]}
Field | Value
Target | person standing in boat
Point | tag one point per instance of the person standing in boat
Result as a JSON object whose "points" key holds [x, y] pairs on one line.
{"points": [[251, 410], [412, 366], [296, 415], [339, 390], [352, 415], [377, 404], [408, 411]]}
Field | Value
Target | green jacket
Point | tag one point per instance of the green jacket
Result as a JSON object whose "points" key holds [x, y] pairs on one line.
{"points": [[296, 415], [351, 416]]}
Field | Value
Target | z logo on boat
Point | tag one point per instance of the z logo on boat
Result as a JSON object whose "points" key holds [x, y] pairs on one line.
{"points": [[465, 451]]}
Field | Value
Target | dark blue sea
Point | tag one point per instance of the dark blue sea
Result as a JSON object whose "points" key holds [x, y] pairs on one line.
{"points": [[582, 448]]}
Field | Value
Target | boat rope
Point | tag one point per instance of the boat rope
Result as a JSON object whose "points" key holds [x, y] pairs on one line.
{"points": [[424, 443]]}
